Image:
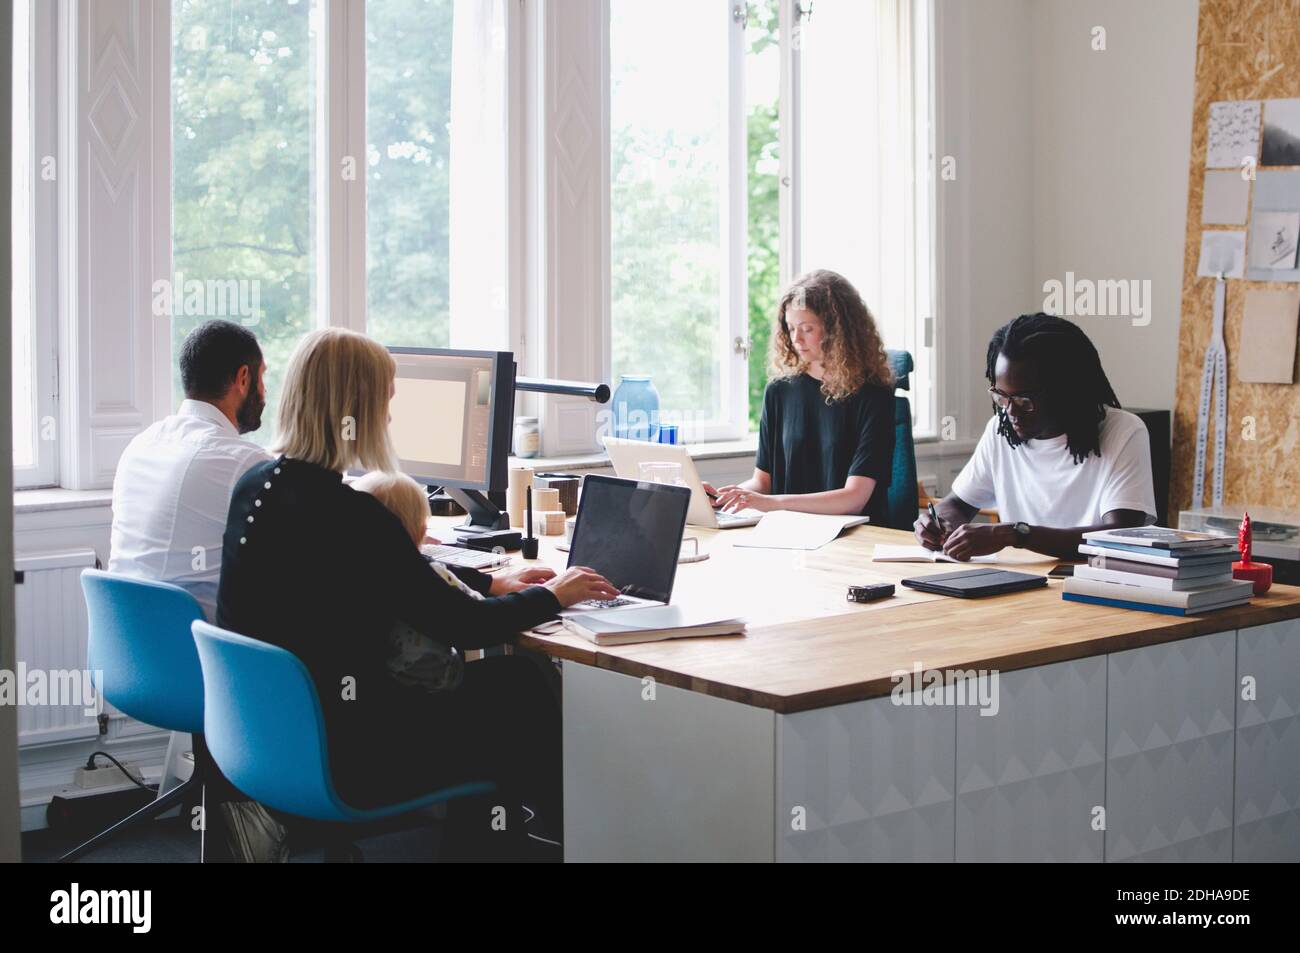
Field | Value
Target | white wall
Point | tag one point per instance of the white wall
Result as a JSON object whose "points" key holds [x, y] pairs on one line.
{"points": [[982, 90], [1067, 160], [1111, 146]]}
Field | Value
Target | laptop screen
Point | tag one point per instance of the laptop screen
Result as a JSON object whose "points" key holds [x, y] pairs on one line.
{"points": [[631, 533]]}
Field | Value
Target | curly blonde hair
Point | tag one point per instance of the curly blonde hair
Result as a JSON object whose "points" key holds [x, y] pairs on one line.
{"points": [[852, 351]]}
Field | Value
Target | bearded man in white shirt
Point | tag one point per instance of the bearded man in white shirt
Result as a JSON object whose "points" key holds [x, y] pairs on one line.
{"points": [[171, 494], [1058, 459], [173, 483]]}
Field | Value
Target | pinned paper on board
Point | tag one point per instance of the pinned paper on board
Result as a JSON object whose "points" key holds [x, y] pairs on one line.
{"points": [[1222, 253], [1233, 134], [1281, 143], [1268, 337], [1225, 200], [1273, 240], [1275, 205]]}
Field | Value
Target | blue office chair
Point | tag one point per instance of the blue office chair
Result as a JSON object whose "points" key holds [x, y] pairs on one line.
{"points": [[265, 729], [138, 640], [903, 501]]}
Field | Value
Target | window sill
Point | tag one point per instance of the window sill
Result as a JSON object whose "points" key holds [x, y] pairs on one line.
{"points": [[747, 446], [59, 498]]}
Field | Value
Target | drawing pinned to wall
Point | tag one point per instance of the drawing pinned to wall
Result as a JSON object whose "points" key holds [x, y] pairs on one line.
{"points": [[1222, 253], [1233, 134], [1281, 132], [1275, 205], [1273, 237], [1225, 199]]}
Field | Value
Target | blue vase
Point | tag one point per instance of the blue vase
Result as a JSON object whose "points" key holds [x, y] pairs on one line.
{"points": [[636, 408]]}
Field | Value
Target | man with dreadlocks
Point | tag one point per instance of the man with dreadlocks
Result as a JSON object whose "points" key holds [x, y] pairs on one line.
{"points": [[1059, 457]]}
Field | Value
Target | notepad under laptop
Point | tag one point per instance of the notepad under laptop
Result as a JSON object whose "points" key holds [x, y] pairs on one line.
{"points": [[651, 624]]}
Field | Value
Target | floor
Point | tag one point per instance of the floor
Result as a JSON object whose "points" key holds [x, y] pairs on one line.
{"points": [[415, 840]]}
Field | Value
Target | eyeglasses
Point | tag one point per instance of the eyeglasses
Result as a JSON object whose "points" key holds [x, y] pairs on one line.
{"points": [[1024, 402]]}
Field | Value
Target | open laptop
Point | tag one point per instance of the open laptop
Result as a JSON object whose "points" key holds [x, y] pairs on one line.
{"points": [[628, 455], [631, 533]]}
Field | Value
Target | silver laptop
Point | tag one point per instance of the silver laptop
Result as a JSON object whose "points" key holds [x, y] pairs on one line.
{"points": [[628, 455], [630, 533]]}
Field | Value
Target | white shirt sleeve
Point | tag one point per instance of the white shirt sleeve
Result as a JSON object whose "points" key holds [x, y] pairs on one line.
{"points": [[974, 485], [1128, 484]]}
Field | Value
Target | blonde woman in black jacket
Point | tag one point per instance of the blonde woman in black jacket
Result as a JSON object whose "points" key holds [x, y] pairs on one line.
{"points": [[326, 572]]}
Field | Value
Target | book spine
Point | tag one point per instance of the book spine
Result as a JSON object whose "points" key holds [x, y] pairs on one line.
{"points": [[1155, 557], [1122, 604], [1125, 578], [1106, 590]]}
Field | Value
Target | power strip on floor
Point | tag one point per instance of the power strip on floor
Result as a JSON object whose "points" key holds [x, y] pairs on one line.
{"points": [[104, 775]]}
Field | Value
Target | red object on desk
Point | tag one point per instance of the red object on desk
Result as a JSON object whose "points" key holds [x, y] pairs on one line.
{"points": [[1261, 574]]}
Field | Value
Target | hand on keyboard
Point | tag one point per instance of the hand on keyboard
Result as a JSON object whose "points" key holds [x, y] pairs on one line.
{"points": [[580, 584]]}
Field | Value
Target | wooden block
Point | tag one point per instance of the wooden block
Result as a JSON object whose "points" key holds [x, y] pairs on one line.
{"points": [[550, 522], [545, 500]]}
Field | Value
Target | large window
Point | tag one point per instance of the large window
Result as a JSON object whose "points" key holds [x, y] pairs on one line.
{"points": [[33, 202], [846, 92], [863, 173], [675, 299], [435, 167], [244, 113]]}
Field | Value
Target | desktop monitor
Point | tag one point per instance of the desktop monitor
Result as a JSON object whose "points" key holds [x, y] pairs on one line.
{"points": [[451, 418]]}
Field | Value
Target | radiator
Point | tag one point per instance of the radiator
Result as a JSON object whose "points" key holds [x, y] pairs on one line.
{"points": [[51, 628]]}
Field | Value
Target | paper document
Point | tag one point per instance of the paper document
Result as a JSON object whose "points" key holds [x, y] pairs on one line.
{"points": [[1266, 354], [919, 554], [784, 529]]}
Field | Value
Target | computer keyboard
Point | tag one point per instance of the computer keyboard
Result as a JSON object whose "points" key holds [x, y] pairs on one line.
{"points": [[604, 603], [729, 517], [466, 558]]}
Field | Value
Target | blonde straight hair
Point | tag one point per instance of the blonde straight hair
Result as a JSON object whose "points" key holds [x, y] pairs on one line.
{"points": [[334, 405]]}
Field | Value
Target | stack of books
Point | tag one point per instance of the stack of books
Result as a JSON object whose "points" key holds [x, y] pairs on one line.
{"points": [[1156, 569]]}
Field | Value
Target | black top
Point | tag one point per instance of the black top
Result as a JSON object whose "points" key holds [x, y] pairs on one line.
{"points": [[322, 570], [809, 446]]}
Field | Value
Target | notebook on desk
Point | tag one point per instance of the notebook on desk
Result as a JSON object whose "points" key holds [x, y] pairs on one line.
{"points": [[885, 553], [972, 583]]}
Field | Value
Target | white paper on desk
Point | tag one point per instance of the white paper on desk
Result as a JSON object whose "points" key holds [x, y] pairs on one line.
{"points": [[784, 529], [884, 553]]}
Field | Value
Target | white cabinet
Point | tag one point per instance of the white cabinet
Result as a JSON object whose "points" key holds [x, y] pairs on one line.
{"points": [[1267, 802]]}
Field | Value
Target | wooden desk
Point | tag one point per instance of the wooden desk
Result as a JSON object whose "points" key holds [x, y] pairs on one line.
{"points": [[1050, 730]]}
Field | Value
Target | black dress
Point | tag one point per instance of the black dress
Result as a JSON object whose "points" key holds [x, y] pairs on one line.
{"points": [[810, 446], [322, 570]]}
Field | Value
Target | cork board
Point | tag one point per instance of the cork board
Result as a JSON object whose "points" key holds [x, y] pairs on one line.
{"points": [[1245, 50]]}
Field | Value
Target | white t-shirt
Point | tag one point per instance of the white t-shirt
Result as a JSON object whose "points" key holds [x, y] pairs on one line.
{"points": [[1039, 483], [170, 496]]}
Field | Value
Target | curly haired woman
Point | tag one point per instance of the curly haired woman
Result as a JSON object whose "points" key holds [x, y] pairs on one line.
{"points": [[826, 438]]}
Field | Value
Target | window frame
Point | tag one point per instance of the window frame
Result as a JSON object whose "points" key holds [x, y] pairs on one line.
{"points": [[44, 258], [555, 327], [732, 320], [921, 335]]}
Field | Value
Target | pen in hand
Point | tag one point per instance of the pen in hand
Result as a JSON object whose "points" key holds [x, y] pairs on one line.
{"points": [[934, 517]]}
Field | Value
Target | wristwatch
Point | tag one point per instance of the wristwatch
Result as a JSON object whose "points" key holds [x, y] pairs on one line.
{"points": [[1022, 533]]}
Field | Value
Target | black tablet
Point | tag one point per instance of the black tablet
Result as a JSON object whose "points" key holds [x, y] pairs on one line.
{"points": [[971, 583]]}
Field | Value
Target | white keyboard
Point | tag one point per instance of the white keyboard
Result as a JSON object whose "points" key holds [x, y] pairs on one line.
{"points": [[468, 558]]}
